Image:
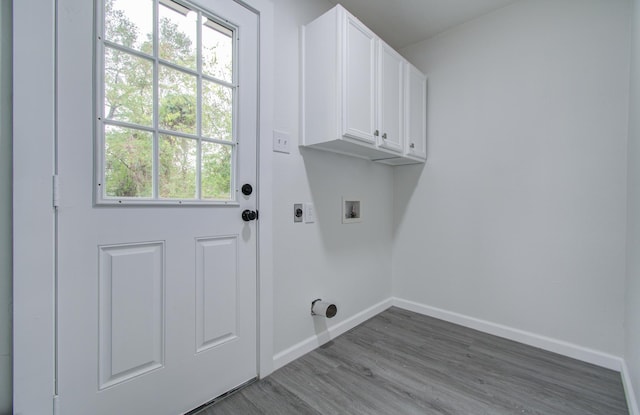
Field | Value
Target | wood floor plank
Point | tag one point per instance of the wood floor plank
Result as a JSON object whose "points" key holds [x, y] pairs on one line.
{"points": [[264, 397], [401, 362]]}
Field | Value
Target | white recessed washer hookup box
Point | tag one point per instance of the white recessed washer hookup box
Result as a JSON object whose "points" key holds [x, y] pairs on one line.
{"points": [[351, 210]]}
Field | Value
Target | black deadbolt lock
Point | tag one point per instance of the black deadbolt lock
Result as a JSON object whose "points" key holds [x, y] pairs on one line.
{"points": [[247, 189]]}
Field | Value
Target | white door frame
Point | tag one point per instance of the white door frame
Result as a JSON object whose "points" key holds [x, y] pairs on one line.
{"points": [[34, 123]]}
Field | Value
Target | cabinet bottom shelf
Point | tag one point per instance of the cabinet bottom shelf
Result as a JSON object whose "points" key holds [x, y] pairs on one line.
{"points": [[357, 150], [399, 161]]}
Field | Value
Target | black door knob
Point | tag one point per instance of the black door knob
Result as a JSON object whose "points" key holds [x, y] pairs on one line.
{"points": [[249, 215]]}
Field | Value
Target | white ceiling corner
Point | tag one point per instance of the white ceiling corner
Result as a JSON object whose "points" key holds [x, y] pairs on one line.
{"points": [[404, 22]]}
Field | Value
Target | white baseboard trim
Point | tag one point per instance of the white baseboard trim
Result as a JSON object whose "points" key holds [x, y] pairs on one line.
{"points": [[629, 392], [313, 342], [546, 343]]}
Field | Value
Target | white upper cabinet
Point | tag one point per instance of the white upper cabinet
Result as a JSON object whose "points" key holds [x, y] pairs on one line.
{"points": [[355, 92], [390, 97], [415, 140]]}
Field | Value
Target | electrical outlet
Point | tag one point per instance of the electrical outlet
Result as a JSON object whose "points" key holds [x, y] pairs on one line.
{"points": [[281, 142], [298, 212], [309, 213]]}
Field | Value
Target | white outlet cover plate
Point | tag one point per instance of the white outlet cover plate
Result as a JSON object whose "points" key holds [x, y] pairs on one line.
{"points": [[281, 142], [309, 213]]}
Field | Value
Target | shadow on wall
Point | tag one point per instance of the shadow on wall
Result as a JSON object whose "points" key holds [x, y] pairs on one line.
{"points": [[350, 263], [379, 187], [334, 176], [405, 182]]}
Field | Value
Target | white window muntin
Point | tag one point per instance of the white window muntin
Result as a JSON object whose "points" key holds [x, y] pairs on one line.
{"points": [[101, 122]]}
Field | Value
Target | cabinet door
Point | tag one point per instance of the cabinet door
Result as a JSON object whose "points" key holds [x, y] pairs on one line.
{"points": [[416, 113], [390, 98], [358, 81]]}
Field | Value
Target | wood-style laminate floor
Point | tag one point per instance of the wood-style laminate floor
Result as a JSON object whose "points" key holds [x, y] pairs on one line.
{"points": [[400, 363]]}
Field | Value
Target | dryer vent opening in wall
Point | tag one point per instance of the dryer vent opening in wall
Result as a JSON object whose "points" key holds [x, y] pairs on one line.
{"points": [[323, 309]]}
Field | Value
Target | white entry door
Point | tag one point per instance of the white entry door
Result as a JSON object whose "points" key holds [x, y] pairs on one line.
{"points": [[156, 266]]}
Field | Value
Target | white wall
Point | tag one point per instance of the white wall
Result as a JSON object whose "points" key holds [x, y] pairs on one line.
{"points": [[350, 264], [5, 207], [632, 322], [518, 217]]}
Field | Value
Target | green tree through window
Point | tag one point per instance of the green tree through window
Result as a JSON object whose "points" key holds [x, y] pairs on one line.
{"points": [[182, 145]]}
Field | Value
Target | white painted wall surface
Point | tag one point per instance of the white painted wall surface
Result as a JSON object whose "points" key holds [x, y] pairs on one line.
{"points": [[518, 217], [5, 208], [349, 264], [632, 321]]}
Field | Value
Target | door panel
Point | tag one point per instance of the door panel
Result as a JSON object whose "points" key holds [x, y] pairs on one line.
{"points": [[156, 304], [416, 113], [131, 316], [216, 290], [359, 81], [391, 98]]}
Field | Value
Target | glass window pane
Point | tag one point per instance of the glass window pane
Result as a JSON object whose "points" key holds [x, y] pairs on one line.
{"points": [[217, 111], [217, 51], [128, 87], [129, 23], [155, 86], [216, 171], [128, 162], [178, 159], [178, 38], [177, 110]]}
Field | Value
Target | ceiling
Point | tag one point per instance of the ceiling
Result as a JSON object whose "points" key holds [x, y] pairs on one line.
{"points": [[404, 22]]}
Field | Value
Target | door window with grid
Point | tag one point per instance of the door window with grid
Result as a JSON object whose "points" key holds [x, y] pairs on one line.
{"points": [[166, 104]]}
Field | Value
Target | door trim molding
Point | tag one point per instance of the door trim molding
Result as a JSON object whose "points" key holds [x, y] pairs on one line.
{"points": [[34, 215], [34, 123], [264, 9]]}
